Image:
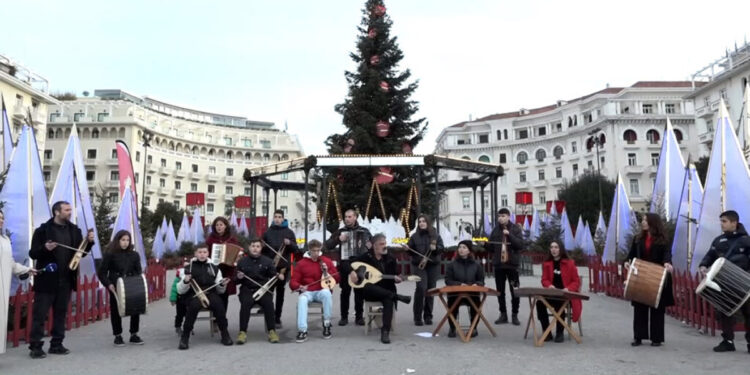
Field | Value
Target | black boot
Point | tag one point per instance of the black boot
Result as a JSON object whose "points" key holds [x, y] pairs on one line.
{"points": [[559, 334], [385, 337], [403, 298], [452, 332], [724, 346], [515, 320], [225, 339], [184, 340], [503, 319]]}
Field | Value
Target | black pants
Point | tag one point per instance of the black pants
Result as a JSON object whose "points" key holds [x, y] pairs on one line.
{"points": [[465, 302], [727, 324], [42, 302], [511, 275], [642, 330], [374, 293], [543, 314], [116, 320], [422, 303], [280, 289], [247, 302], [180, 311], [344, 269], [194, 306]]}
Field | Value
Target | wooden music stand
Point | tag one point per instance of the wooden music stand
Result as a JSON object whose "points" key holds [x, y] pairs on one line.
{"points": [[543, 294], [463, 292]]}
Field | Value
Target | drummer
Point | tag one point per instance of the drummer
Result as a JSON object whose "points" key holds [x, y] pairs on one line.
{"points": [[120, 260], [560, 272], [651, 245], [734, 245]]}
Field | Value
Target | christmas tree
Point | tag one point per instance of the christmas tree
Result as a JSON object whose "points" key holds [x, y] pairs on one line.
{"points": [[377, 113]]}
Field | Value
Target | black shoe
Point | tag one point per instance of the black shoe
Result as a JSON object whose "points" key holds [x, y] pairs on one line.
{"points": [[516, 322], [474, 333], [360, 321], [655, 343], [549, 337], [301, 337], [385, 337], [418, 323], [225, 339], [343, 322], [278, 324], [119, 341], [37, 353], [184, 342], [452, 333], [403, 298], [178, 331], [135, 340], [326, 331], [503, 319], [748, 348], [560, 337], [58, 349], [428, 321], [724, 346], [636, 342]]}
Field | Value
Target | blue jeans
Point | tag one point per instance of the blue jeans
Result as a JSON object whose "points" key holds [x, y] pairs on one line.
{"points": [[323, 296]]}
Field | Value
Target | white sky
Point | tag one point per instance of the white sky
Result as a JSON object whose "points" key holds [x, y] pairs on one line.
{"points": [[285, 60]]}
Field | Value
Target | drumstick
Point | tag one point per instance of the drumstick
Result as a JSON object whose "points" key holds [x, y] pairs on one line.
{"points": [[277, 253], [70, 248], [321, 279]]}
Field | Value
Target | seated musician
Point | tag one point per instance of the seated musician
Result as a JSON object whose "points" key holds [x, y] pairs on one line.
{"points": [[221, 234], [206, 275], [383, 291], [734, 245], [560, 272], [651, 245], [464, 270], [306, 279], [120, 261], [253, 272]]}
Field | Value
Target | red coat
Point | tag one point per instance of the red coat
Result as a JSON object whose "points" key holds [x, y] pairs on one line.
{"points": [[226, 271], [308, 272], [570, 279]]}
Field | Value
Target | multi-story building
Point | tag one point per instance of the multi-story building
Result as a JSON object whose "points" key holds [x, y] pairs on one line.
{"points": [[541, 149], [25, 93], [728, 78], [189, 150]]}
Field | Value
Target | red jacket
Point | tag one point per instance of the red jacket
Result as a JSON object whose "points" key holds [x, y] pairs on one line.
{"points": [[226, 271], [308, 272], [570, 279]]}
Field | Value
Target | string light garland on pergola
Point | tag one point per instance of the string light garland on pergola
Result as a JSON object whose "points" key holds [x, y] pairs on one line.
{"points": [[375, 187]]}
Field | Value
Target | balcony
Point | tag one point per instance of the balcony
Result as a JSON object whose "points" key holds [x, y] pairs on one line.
{"points": [[113, 183], [89, 162], [539, 183], [557, 161], [179, 173], [151, 189], [707, 137], [557, 181], [164, 171], [633, 169], [152, 168], [163, 191], [230, 179], [179, 193], [521, 185], [113, 163], [195, 176], [211, 196], [212, 177]]}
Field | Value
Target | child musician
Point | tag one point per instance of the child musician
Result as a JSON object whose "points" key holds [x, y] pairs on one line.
{"points": [[253, 272]]}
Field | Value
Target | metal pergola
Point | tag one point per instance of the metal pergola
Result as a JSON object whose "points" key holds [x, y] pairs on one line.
{"points": [[488, 175]]}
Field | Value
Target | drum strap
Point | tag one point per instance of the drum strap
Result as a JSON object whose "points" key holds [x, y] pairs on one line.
{"points": [[731, 249]]}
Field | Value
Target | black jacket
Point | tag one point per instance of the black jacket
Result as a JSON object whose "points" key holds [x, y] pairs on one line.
{"points": [[464, 271], [420, 241], [332, 242], [386, 265], [259, 269], [738, 241], [275, 236], [118, 263], [659, 254], [49, 282], [206, 274], [515, 245]]}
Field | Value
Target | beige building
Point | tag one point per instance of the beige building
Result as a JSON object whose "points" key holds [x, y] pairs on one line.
{"points": [[189, 150]]}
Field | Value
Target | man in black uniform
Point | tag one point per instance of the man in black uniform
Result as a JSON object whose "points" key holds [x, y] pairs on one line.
{"points": [[278, 235], [506, 269]]}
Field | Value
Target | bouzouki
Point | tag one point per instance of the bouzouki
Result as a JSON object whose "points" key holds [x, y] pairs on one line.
{"points": [[367, 274]]}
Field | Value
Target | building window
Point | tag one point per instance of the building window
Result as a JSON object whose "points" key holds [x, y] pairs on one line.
{"points": [[601, 160], [163, 163], [575, 170], [47, 154], [629, 136], [230, 172], [147, 201], [285, 209], [194, 168], [228, 141], [573, 147], [540, 154], [678, 135], [229, 190], [522, 157], [113, 197], [632, 160], [211, 189], [465, 201], [90, 175], [484, 138], [114, 154], [193, 187], [655, 159], [669, 108], [150, 160], [590, 165], [176, 204], [148, 180], [558, 127], [162, 183], [114, 176], [178, 185], [211, 170], [100, 117], [285, 176], [647, 109], [505, 134], [523, 134], [178, 165], [265, 143], [634, 190], [652, 136], [541, 174], [558, 172], [52, 118], [77, 116], [503, 201], [47, 175], [209, 138], [558, 152], [284, 193], [522, 176], [542, 198], [247, 142], [137, 156], [542, 131], [499, 135], [723, 93], [210, 207], [484, 159], [136, 178], [248, 191], [91, 154]]}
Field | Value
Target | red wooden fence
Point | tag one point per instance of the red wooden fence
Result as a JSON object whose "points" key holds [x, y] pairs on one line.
{"points": [[89, 303]]}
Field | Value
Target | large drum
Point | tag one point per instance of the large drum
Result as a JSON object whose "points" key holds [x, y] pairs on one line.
{"points": [[645, 282], [726, 286], [132, 295]]}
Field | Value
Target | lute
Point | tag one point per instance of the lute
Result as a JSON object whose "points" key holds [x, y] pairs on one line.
{"points": [[367, 274]]}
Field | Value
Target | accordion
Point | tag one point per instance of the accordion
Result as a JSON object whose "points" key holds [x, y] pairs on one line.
{"points": [[226, 254], [355, 244]]}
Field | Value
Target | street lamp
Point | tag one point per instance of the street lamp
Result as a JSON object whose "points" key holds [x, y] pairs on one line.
{"points": [[147, 136], [598, 142]]}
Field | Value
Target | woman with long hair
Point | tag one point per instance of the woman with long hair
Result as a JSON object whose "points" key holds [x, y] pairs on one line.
{"points": [[651, 245], [559, 271], [221, 233], [427, 242]]}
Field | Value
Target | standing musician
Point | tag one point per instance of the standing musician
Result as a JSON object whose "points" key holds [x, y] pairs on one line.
{"points": [[464, 270], [425, 241], [253, 272], [559, 272], [306, 279], [221, 234], [203, 278], [53, 288], [384, 291], [734, 245], [120, 261], [651, 245], [509, 236], [353, 241], [280, 236]]}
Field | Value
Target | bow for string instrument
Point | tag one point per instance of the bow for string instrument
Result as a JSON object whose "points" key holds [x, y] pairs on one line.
{"points": [[426, 258], [199, 293], [264, 288], [277, 259], [79, 252]]}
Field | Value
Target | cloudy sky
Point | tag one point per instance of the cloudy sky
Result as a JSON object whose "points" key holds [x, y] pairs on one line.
{"points": [[284, 61]]}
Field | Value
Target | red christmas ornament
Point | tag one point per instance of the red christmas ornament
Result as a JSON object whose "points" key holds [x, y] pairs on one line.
{"points": [[384, 86], [384, 175], [406, 148], [372, 33], [379, 10], [375, 60], [382, 128], [348, 145]]}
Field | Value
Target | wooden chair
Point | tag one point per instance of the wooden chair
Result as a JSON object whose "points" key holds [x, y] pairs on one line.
{"points": [[374, 314], [569, 318]]}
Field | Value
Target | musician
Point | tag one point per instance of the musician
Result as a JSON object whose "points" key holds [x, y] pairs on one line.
{"points": [[178, 301], [8, 267], [464, 270], [353, 241], [734, 245], [52, 289], [559, 272], [384, 291], [259, 269], [221, 234], [426, 241], [306, 279], [208, 278], [280, 237], [651, 245], [510, 234], [119, 260]]}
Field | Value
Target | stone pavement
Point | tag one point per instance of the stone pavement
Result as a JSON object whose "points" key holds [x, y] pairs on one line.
{"points": [[607, 327]]}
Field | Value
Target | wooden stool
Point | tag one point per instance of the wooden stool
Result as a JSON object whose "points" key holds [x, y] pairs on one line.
{"points": [[211, 320], [318, 307], [374, 313]]}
